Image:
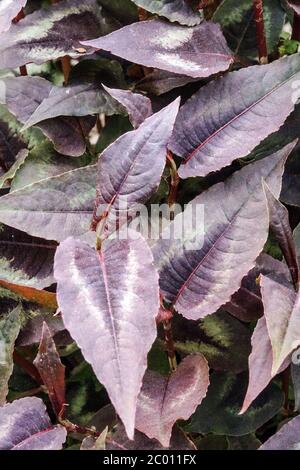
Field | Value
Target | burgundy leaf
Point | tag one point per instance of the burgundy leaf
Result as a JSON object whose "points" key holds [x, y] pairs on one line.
{"points": [[282, 312], [200, 270], [109, 313], [129, 170], [164, 400], [260, 363], [25, 425], [159, 82], [280, 226], [48, 34], [195, 52], [232, 115], [51, 370], [9, 9], [139, 107], [287, 438]]}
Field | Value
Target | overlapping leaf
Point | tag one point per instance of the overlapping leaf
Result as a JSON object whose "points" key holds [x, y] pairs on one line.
{"points": [[287, 438], [260, 363], [164, 400], [280, 226], [230, 116], [224, 397], [25, 260], [202, 266], [24, 95], [195, 52], [238, 24], [295, 5], [109, 313], [139, 107], [129, 170], [178, 10], [51, 33], [53, 208], [9, 329], [9, 9], [25, 425], [281, 305]]}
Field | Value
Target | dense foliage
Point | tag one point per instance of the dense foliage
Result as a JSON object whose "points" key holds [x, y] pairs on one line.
{"points": [[149, 224]]}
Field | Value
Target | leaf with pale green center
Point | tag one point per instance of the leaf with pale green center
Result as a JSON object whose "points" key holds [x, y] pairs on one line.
{"points": [[173, 10]]}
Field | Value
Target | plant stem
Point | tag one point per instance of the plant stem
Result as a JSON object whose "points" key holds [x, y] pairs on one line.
{"points": [[143, 15], [170, 344], [260, 31], [28, 367], [296, 27], [174, 184]]}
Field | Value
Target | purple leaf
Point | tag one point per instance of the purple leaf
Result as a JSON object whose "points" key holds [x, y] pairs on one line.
{"points": [[25, 425], [174, 10], [48, 34], [287, 438], [159, 82], [9, 9], [260, 364], [129, 170], [195, 52], [12, 147], [74, 100], [232, 115], [53, 208], [282, 312], [25, 260], [51, 370], [120, 441], [280, 226], [23, 95], [164, 400], [109, 313], [139, 107], [200, 270], [246, 303]]}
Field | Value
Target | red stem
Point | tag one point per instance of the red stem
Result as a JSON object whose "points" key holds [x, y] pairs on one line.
{"points": [[174, 184], [260, 31]]}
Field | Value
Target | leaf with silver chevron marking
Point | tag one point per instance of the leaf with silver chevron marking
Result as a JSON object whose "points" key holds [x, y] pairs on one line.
{"points": [[232, 115], [175, 10], [282, 310], [50, 33], [196, 52], [10, 324], [109, 313], [53, 208], [130, 169], [163, 400], [211, 247], [9, 9], [25, 425], [139, 107]]}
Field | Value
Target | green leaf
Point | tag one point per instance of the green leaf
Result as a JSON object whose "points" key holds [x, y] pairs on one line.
{"points": [[237, 21], [219, 411], [9, 330]]}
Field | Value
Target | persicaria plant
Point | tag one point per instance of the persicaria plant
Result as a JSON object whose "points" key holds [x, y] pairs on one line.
{"points": [[149, 211]]}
